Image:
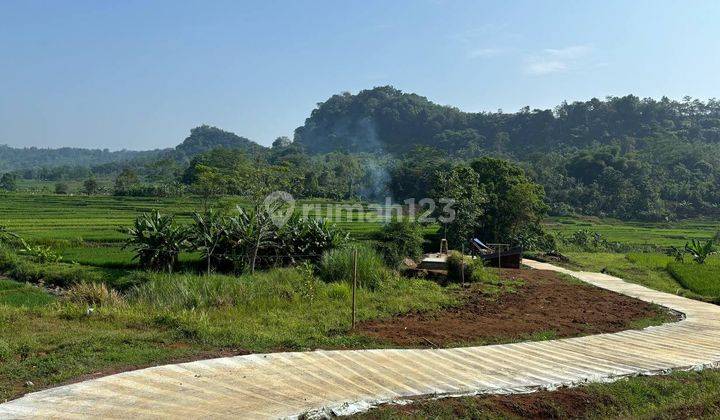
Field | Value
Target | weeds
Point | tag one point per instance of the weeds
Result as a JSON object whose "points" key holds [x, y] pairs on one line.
{"points": [[94, 294]]}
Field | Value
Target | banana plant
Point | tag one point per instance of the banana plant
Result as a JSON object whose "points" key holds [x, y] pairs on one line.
{"points": [[157, 241], [700, 251], [206, 235]]}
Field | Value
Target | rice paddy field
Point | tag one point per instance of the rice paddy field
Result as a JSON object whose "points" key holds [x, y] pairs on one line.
{"points": [[75, 219], [663, 234], [84, 229]]}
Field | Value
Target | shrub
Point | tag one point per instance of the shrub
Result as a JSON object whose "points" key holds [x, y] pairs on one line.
{"points": [[676, 253], [206, 235], [245, 237], [40, 253], [455, 264], [400, 239], [337, 265], [61, 188], [475, 270], [156, 240], [94, 294]]}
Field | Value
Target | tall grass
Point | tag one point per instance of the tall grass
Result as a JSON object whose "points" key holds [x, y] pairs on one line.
{"points": [[262, 290], [279, 308], [337, 265]]}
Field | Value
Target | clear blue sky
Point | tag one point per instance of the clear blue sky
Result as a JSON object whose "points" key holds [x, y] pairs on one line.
{"points": [[140, 74]]}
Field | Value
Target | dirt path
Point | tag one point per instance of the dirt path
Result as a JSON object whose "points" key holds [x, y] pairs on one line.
{"points": [[342, 382], [539, 304]]}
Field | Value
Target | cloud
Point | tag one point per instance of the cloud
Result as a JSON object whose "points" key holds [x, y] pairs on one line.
{"points": [[557, 60]]}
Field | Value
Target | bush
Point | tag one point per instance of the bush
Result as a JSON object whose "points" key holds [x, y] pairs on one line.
{"points": [[455, 266], [62, 188], [400, 239], [475, 270], [480, 273], [302, 239], [94, 294], [337, 265], [40, 253]]}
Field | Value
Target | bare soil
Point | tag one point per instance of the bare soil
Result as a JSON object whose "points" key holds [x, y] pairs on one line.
{"points": [[559, 404], [531, 304]]}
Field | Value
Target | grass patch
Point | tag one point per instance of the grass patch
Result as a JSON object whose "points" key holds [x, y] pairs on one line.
{"points": [[61, 274], [679, 395], [629, 268], [337, 265], [22, 295], [656, 271], [173, 317]]}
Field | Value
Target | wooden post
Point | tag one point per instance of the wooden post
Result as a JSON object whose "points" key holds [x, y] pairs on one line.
{"points": [[462, 265], [354, 287]]}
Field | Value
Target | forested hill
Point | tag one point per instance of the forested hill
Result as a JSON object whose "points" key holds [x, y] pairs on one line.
{"points": [[201, 139], [32, 157], [205, 138], [386, 119], [623, 157]]}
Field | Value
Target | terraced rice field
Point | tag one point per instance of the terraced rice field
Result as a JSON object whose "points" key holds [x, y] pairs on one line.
{"points": [[638, 233]]}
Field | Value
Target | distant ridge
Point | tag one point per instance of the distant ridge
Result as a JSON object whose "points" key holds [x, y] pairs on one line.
{"points": [[201, 139]]}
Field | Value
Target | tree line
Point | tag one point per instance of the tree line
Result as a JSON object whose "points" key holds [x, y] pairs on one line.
{"points": [[622, 157]]}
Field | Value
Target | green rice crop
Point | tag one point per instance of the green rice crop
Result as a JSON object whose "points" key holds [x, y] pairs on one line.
{"points": [[661, 234], [700, 278], [18, 294]]}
